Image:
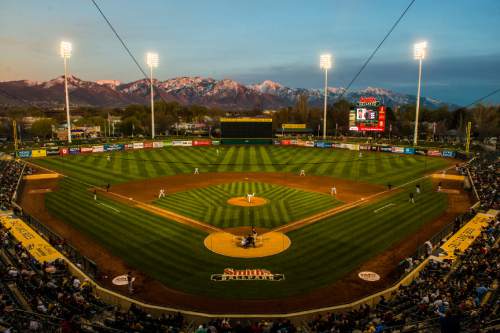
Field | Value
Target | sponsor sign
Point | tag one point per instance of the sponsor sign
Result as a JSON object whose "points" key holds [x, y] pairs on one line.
{"points": [[276, 142], [63, 151], [97, 149], [246, 120], [38, 153], [148, 144], [421, 151], [399, 150], [158, 144], [167, 143], [113, 147], [38, 247], [364, 147], [374, 148], [285, 142], [294, 126], [369, 276], [74, 150], [461, 240], [215, 142], [350, 146], [202, 142], [52, 151], [293, 142], [138, 145], [85, 150], [129, 146], [336, 145], [387, 149], [121, 280], [448, 153], [433, 153], [24, 153], [323, 144], [409, 150], [182, 143], [230, 274]]}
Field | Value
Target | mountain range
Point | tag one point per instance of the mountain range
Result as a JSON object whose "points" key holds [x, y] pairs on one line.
{"points": [[223, 94]]}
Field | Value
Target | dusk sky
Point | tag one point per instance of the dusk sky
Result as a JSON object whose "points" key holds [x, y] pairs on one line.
{"points": [[251, 41]]}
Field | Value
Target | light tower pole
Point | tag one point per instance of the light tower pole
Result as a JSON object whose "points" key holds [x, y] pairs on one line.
{"points": [[325, 62], [419, 53], [65, 51], [152, 61]]}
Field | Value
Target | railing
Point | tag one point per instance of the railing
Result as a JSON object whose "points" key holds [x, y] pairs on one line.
{"points": [[84, 263]]}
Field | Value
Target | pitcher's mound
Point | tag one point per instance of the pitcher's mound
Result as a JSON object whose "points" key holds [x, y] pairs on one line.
{"points": [[243, 201], [229, 245]]}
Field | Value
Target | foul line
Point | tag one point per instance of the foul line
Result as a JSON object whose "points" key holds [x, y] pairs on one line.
{"points": [[103, 204], [388, 205]]}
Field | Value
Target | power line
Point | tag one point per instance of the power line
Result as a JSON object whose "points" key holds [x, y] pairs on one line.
{"points": [[482, 98], [376, 49], [120, 39]]}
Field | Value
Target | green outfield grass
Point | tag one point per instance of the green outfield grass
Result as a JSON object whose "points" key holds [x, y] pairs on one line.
{"points": [[380, 168], [175, 255], [210, 205]]}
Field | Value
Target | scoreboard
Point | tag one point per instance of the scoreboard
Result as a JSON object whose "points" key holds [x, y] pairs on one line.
{"points": [[368, 115], [246, 127]]}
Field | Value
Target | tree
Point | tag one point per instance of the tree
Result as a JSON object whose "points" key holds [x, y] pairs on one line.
{"points": [[486, 120], [131, 126], [42, 128]]}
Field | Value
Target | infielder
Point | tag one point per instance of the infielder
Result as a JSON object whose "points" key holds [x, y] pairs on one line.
{"points": [[333, 191], [161, 194], [196, 171], [302, 172], [250, 197]]}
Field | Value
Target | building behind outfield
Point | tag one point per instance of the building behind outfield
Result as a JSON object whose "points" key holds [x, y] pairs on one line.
{"points": [[243, 130]]}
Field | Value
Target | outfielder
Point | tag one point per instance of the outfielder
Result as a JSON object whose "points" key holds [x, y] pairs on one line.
{"points": [[418, 188], [412, 198]]}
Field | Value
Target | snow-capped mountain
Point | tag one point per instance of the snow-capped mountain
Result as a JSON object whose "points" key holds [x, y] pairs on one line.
{"points": [[224, 94]]}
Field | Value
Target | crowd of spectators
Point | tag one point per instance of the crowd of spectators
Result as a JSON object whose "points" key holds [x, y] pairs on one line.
{"points": [[485, 173], [10, 171]]}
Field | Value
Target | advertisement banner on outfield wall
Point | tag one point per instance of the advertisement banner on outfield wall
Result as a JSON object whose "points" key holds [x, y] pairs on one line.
{"points": [[374, 148], [294, 142], [433, 153], [215, 142], [97, 149], [38, 153], [285, 142], [167, 143], [128, 146], [52, 151], [398, 150], [114, 147], [182, 143], [448, 153], [202, 142], [63, 151], [85, 150], [24, 153], [74, 151], [364, 147], [336, 145], [158, 144], [148, 144], [387, 149], [351, 146], [276, 142], [323, 144], [421, 152], [409, 150], [138, 145]]}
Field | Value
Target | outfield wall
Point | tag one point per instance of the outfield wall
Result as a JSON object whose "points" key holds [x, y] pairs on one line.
{"points": [[77, 150]]}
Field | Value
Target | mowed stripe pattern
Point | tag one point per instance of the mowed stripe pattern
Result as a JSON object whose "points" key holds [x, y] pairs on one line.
{"points": [[380, 168], [174, 254], [210, 204]]}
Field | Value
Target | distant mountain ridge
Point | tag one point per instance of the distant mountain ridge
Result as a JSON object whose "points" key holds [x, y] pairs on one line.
{"points": [[224, 94]]}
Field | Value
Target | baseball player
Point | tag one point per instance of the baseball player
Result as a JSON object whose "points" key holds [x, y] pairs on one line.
{"points": [[196, 171], [439, 186], [302, 172], [333, 191], [412, 198], [360, 154], [217, 151], [417, 189], [108, 157], [161, 194], [95, 195], [250, 197]]}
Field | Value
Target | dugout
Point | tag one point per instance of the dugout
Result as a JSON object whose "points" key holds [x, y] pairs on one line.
{"points": [[246, 130]]}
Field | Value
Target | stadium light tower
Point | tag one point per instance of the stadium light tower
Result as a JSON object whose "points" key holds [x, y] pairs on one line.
{"points": [[325, 62], [65, 51], [152, 61], [419, 51]]}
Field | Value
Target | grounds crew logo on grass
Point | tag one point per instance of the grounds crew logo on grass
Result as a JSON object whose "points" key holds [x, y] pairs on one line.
{"points": [[230, 274]]}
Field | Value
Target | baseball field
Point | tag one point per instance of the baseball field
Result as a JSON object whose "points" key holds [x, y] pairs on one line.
{"points": [[332, 236]]}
